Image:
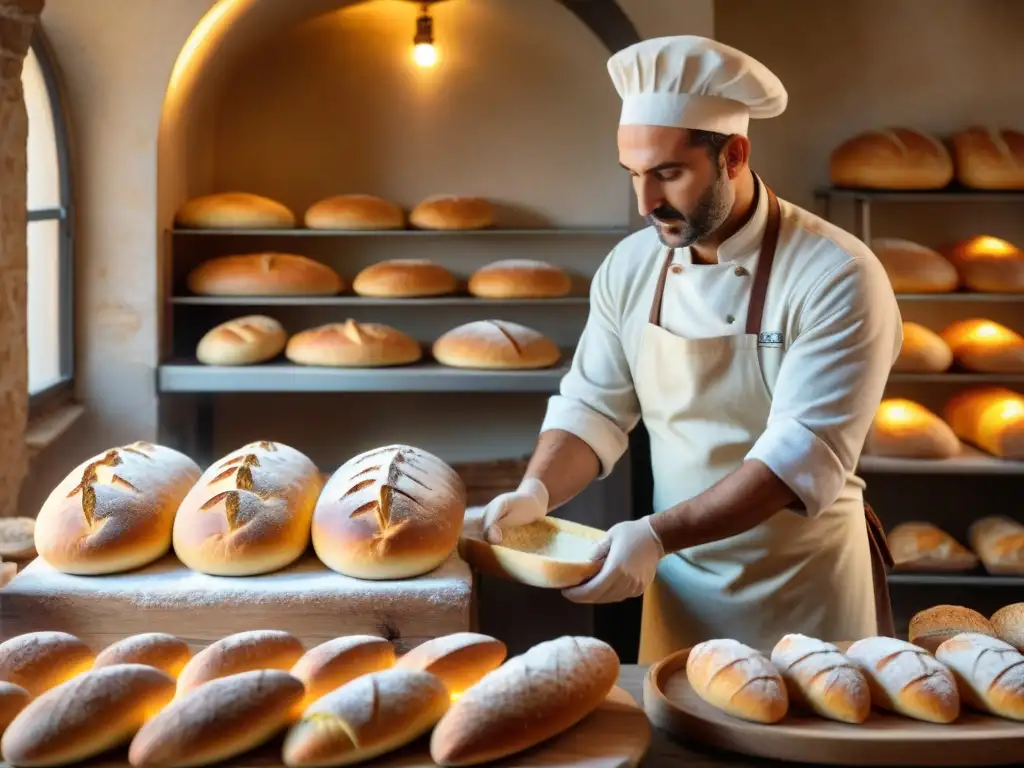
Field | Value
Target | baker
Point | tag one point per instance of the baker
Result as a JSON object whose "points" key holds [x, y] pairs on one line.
{"points": [[754, 339]]}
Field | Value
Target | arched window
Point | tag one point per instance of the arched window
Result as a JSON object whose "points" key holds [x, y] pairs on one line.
{"points": [[50, 233]]}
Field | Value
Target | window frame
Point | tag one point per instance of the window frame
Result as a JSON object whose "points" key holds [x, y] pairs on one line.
{"points": [[62, 390]]}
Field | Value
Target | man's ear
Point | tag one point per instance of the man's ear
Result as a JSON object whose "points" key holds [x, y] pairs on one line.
{"points": [[736, 154]]}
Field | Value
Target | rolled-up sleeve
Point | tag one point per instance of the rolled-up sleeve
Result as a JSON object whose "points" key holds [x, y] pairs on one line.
{"points": [[831, 381], [596, 400]]}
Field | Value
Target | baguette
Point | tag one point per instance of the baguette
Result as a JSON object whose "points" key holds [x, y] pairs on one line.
{"points": [[155, 649], [1008, 623], [991, 418], [933, 626], [13, 699], [905, 429], [527, 700], [906, 679], [999, 542], [234, 210], [369, 716], [240, 652], [39, 661], [336, 662], [737, 680], [920, 546], [820, 678], [989, 673], [460, 660]]}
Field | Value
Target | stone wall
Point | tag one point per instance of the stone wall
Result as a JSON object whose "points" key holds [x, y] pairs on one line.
{"points": [[17, 21]]}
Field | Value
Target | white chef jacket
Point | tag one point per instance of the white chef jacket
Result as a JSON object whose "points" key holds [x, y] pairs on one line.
{"points": [[838, 330]]}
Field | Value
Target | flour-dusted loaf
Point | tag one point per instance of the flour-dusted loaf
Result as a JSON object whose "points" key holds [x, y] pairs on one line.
{"points": [[738, 680], [404, 279], [991, 418], [452, 212], [891, 158], [921, 546], [905, 429], [1008, 622], [115, 511], [985, 346], [39, 661], [234, 210], [369, 716], [264, 274], [988, 264], [989, 673], [241, 652], [226, 717], [520, 279], [906, 679], [249, 513], [495, 344], [460, 659], [923, 351], [86, 716], [999, 542], [353, 345], [165, 652], [389, 513], [915, 268], [242, 341], [17, 538], [525, 701], [933, 626], [989, 158], [820, 678], [335, 662], [355, 212]]}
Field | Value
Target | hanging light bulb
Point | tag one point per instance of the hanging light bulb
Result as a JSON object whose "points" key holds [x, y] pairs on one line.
{"points": [[423, 52]]}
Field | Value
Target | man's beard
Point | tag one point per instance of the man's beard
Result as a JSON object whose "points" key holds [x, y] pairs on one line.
{"points": [[678, 230]]}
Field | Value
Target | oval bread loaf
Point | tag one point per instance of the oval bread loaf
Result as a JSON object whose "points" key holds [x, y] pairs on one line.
{"points": [[115, 511], [989, 158], [241, 652], [738, 680], [452, 212], [933, 626], [992, 418], [249, 513], [519, 279], [17, 538], [820, 678], [335, 662], [460, 660], [39, 661], [989, 673], [155, 649], [234, 210], [905, 429], [404, 278], [13, 699], [923, 351], [891, 158], [353, 345], [915, 268], [84, 717], [495, 344], [389, 513], [355, 212], [369, 716], [999, 542], [242, 341], [1008, 622], [920, 546], [985, 346], [264, 274], [988, 264]]}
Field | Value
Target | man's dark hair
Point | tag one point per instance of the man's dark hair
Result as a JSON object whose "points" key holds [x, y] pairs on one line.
{"points": [[713, 142]]}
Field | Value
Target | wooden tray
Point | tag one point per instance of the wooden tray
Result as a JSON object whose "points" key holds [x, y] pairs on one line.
{"points": [[884, 739]]}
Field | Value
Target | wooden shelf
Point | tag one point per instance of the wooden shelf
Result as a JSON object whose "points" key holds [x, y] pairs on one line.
{"points": [[968, 579], [970, 462], [303, 232], [362, 301], [948, 195]]}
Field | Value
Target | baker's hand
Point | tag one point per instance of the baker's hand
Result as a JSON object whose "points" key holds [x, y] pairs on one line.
{"points": [[510, 510], [631, 551]]}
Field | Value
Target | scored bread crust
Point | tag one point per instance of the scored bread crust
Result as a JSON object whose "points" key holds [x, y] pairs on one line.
{"points": [[985, 346], [818, 676], [915, 268], [155, 649], [931, 627], [404, 278], [989, 673], [452, 212], [519, 279], [923, 351], [999, 542], [354, 212], [989, 158], [922, 546], [891, 158], [264, 274], [333, 663], [39, 661], [240, 652], [352, 344], [906, 429], [495, 344], [234, 210], [738, 680], [459, 660], [242, 341]]}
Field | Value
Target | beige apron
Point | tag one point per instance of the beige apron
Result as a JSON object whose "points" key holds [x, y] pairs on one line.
{"points": [[704, 403]]}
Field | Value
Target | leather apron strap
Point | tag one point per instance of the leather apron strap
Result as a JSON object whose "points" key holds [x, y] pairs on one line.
{"points": [[881, 562]]}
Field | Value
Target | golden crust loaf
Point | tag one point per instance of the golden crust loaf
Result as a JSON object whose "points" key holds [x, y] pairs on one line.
{"points": [[738, 680], [988, 264], [234, 210], [915, 268], [459, 660], [923, 351], [404, 278], [891, 158], [241, 652], [452, 212], [931, 627], [985, 346], [495, 344], [905, 429], [999, 542], [1008, 622], [520, 279], [920, 546], [39, 661], [335, 662], [264, 274], [242, 341], [355, 212], [989, 673], [989, 158], [353, 345], [991, 418], [165, 652], [821, 679]]}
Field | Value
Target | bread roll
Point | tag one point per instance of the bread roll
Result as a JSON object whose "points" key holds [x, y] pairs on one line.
{"points": [[933, 626], [892, 158], [355, 212], [115, 511], [224, 718], [353, 345], [495, 344], [988, 264], [992, 418], [999, 542], [460, 660], [452, 212], [923, 351], [86, 716], [390, 513], [335, 662], [915, 268], [240, 652], [38, 661], [985, 346], [919, 546], [906, 679], [905, 429], [249, 513], [525, 701], [13, 699], [242, 341], [1008, 622], [264, 274], [17, 538], [820, 678], [988, 158], [403, 279], [234, 210], [520, 279], [370, 716], [154, 649], [737, 680], [989, 673]]}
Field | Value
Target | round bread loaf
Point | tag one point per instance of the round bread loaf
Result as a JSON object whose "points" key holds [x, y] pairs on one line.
{"points": [[154, 649], [985, 346], [923, 351], [242, 341], [933, 626], [115, 511], [988, 264], [404, 278], [893, 158], [390, 513], [224, 718], [249, 513], [988, 158], [240, 652], [355, 212], [17, 538], [459, 660], [495, 344], [991, 418], [452, 212], [234, 210], [905, 429], [264, 274], [39, 661], [333, 663], [13, 699], [520, 279], [86, 716], [1008, 623], [915, 268], [353, 345]]}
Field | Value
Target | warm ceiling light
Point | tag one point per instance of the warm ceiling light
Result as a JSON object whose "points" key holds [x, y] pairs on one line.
{"points": [[423, 52]]}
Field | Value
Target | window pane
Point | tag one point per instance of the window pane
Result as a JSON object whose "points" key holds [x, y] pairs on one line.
{"points": [[43, 166], [43, 304]]}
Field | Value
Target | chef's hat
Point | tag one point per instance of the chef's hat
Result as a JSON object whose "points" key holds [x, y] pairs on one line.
{"points": [[693, 82]]}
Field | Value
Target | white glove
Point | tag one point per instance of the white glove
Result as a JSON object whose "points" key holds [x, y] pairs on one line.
{"points": [[631, 551], [510, 510]]}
